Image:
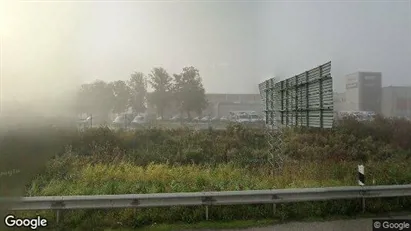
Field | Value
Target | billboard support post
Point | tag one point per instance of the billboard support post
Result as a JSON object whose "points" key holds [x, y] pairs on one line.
{"points": [[273, 131]]}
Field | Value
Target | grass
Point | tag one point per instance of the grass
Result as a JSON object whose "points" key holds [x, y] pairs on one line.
{"points": [[76, 176], [236, 224], [80, 177], [244, 224], [124, 178], [204, 225], [100, 161]]}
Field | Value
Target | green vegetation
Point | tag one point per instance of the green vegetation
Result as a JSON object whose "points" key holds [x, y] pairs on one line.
{"points": [[180, 93], [101, 161]]}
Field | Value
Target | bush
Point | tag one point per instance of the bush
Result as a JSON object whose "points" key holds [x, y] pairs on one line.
{"points": [[101, 161], [128, 178]]}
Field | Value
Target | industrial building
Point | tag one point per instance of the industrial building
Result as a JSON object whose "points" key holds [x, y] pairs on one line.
{"points": [[396, 101], [363, 91], [339, 102], [220, 105]]}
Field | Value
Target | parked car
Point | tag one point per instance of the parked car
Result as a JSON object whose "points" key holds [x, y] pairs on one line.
{"points": [[175, 118], [224, 118], [122, 121], [206, 118], [140, 119], [215, 118]]}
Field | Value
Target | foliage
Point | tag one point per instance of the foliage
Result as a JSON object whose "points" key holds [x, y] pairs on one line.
{"points": [[189, 91], [124, 177], [138, 87], [100, 98], [160, 80], [102, 161], [96, 98], [122, 96]]}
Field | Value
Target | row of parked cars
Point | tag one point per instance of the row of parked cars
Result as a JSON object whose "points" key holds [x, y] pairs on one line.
{"points": [[197, 119], [127, 119], [142, 119]]}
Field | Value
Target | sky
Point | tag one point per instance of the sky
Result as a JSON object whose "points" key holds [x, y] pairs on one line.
{"points": [[49, 48]]}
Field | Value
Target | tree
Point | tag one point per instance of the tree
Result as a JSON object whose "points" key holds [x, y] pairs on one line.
{"points": [[178, 93], [189, 91], [122, 95], [138, 87], [95, 98], [160, 80]]}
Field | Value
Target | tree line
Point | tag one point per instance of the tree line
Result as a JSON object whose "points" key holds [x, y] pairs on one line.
{"points": [[184, 91]]}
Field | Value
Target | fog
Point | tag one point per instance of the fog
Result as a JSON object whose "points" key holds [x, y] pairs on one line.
{"points": [[50, 48]]}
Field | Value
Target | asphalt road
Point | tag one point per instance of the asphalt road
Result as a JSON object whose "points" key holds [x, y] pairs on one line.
{"points": [[363, 224]]}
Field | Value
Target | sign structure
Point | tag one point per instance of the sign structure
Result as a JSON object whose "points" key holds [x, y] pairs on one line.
{"points": [[304, 100]]}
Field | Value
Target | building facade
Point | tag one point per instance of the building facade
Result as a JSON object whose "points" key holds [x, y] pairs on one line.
{"points": [[220, 105], [363, 91], [396, 101], [339, 102]]}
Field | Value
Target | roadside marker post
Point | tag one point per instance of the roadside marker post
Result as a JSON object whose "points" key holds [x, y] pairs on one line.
{"points": [[361, 182], [361, 176]]}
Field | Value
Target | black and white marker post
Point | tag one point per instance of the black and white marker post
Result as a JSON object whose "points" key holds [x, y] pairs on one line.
{"points": [[361, 182], [361, 176]]}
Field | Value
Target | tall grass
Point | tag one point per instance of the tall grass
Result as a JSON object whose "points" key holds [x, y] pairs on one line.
{"points": [[100, 161], [128, 178]]}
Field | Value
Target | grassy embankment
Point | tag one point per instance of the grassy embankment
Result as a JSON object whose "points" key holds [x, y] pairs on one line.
{"points": [[153, 161]]}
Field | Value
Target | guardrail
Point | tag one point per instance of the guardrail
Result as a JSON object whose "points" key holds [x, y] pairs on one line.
{"points": [[60, 203]]}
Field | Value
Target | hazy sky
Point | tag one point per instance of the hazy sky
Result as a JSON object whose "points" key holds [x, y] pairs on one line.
{"points": [[51, 47]]}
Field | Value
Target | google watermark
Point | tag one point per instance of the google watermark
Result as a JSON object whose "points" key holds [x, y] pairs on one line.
{"points": [[12, 221], [9, 173], [391, 224]]}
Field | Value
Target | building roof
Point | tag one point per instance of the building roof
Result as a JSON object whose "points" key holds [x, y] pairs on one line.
{"points": [[397, 87], [374, 72]]}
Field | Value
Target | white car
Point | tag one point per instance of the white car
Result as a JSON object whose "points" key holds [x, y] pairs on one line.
{"points": [[176, 117], [215, 118], [206, 118], [119, 120], [224, 118], [139, 120], [254, 118]]}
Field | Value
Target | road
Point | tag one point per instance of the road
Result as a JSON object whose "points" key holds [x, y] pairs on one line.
{"points": [[363, 224]]}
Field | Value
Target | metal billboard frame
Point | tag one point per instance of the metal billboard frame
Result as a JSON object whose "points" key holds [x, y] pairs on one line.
{"points": [[304, 100]]}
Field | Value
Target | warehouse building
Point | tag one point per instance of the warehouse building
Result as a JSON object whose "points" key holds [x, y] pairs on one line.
{"points": [[363, 92], [339, 102], [396, 101], [222, 104]]}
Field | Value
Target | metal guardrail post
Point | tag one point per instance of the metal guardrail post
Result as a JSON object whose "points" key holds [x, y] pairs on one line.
{"points": [[59, 216], [274, 209], [57, 206], [207, 201]]}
